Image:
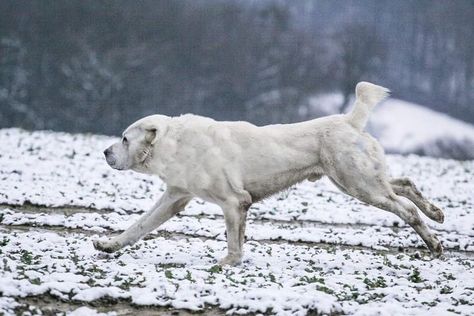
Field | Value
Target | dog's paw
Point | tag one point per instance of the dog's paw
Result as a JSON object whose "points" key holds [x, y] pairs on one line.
{"points": [[230, 260], [106, 246], [437, 214], [437, 250]]}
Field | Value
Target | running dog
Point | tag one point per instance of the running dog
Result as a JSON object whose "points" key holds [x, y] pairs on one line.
{"points": [[236, 164]]}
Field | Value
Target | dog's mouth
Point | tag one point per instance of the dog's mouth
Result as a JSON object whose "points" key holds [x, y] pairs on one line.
{"points": [[116, 167], [112, 162]]}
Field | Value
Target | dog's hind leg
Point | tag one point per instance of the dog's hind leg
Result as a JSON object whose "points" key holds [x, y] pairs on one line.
{"points": [[377, 191], [408, 212], [361, 177], [171, 202], [406, 188]]}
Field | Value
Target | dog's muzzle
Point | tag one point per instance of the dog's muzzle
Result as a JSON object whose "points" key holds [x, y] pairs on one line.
{"points": [[109, 157]]}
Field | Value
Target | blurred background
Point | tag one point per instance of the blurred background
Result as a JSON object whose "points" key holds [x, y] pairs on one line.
{"points": [[96, 66]]}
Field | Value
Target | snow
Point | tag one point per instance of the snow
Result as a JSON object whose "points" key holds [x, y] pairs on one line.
{"points": [[325, 103], [408, 128], [405, 127], [84, 310], [309, 249]]}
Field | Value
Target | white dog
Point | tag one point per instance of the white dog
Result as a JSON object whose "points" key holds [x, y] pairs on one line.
{"points": [[235, 164]]}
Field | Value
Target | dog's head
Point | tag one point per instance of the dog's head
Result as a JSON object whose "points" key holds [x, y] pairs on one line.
{"points": [[135, 148]]}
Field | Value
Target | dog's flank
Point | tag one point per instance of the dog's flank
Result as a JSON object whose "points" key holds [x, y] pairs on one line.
{"points": [[235, 164]]}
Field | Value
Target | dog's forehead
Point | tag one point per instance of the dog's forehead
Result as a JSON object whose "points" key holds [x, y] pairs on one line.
{"points": [[133, 128], [130, 131], [145, 123]]}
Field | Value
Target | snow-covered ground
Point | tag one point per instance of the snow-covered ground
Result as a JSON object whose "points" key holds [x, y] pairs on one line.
{"points": [[407, 128], [309, 249]]}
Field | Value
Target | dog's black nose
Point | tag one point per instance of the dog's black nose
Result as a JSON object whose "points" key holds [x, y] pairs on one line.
{"points": [[107, 152]]}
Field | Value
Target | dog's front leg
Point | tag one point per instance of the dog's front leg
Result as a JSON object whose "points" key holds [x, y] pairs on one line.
{"points": [[235, 215], [171, 202]]}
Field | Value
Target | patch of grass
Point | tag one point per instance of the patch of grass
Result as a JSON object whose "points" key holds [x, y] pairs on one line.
{"points": [[324, 289], [96, 272], [415, 277], [452, 310], [448, 276], [464, 302], [26, 257], [273, 279], [464, 262], [350, 287], [135, 247], [312, 279], [4, 241], [91, 282], [446, 290], [211, 279], [215, 269], [35, 281], [168, 265], [189, 277], [389, 263], [74, 258], [126, 284], [370, 298], [375, 283], [231, 279], [352, 295]]}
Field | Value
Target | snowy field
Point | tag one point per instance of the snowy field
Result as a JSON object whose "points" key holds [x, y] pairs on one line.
{"points": [[309, 250]]}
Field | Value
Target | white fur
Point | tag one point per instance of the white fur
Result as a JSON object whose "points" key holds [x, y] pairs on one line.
{"points": [[235, 164]]}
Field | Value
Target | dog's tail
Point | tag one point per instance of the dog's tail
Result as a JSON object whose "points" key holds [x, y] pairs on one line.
{"points": [[367, 96]]}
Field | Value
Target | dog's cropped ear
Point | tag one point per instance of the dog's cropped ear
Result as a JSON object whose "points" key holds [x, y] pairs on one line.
{"points": [[151, 135]]}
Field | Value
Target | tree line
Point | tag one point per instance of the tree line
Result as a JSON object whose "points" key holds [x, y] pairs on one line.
{"points": [[97, 65]]}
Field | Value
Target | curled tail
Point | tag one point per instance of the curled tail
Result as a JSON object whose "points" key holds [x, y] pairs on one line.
{"points": [[367, 96]]}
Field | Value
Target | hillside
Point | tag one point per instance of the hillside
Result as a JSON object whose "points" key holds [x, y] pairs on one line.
{"points": [[309, 249]]}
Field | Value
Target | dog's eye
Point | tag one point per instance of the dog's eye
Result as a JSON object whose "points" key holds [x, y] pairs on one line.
{"points": [[124, 140]]}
